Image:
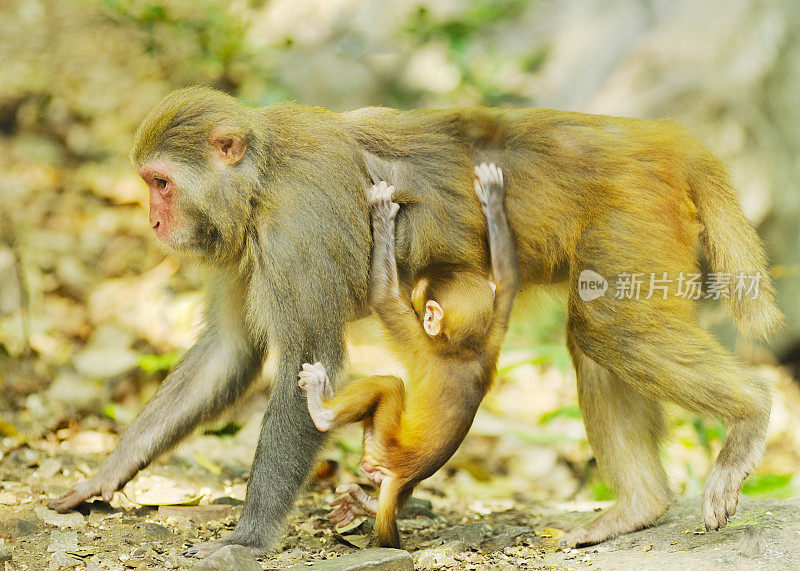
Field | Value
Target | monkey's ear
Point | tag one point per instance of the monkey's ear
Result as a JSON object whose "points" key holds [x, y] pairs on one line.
{"points": [[432, 322], [229, 144]]}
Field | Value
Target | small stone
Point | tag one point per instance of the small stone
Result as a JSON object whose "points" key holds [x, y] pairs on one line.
{"points": [[141, 555], [187, 529], [417, 507], [8, 499], [50, 517], [377, 559], [438, 557], [61, 561], [63, 541], [48, 468], [471, 534], [227, 501], [154, 532], [506, 537], [197, 514], [5, 554], [229, 558], [16, 527]]}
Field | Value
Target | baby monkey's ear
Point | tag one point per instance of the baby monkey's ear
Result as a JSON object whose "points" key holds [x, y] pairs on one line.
{"points": [[432, 322]]}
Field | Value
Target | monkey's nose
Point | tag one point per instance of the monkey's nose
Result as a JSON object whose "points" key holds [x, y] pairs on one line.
{"points": [[156, 225]]}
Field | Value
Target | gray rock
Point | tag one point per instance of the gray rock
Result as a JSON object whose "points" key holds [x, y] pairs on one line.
{"points": [[417, 507], [154, 532], [50, 517], [20, 526], [229, 558], [227, 501], [471, 534], [61, 560], [197, 514], [505, 538], [63, 541], [438, 557], [378, 559]]}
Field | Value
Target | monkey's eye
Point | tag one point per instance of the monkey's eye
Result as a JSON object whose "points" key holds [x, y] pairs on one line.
{"points": [[160, 183]]}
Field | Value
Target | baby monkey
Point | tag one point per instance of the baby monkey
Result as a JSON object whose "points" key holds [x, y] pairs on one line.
{"points": [[451, 334]]}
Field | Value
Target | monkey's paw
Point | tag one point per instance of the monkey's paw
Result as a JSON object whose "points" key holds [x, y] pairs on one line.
{"points": [[721, 495], [314, 379], [353, 502], [489, 184], [203, 550], [381, 200], [84, 490]]}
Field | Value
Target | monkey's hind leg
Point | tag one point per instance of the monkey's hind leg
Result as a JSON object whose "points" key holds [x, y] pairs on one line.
{"points": [[624, 428], [680, 362]]}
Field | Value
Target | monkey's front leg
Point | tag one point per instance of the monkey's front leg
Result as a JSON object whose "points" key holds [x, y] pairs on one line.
{"points": [[212, 374]]}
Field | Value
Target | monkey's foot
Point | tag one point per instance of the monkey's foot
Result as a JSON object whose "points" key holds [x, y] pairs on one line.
{"points": [[353, 502], [203, 550], [614, 522], [721, 495], [373, 473]]}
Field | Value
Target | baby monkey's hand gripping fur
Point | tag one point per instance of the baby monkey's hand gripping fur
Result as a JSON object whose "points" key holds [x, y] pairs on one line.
{"points": [[452, 355]]}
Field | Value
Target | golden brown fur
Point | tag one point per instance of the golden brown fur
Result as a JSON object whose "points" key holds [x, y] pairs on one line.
{"points": [[286, 231], [407, 437]]}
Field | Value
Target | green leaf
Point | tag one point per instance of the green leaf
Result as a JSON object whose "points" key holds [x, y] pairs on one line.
{"points": [[151, 364], [770, 486], [568, 411]]}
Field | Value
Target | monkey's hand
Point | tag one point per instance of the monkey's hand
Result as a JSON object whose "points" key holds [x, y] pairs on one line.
{"points": [[489, 185], [381, 203], [82, 491]]}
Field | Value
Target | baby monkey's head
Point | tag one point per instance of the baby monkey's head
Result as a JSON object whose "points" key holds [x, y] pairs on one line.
{"points": [[454, 305]]}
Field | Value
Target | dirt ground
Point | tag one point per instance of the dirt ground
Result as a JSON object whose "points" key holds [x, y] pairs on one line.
{"points": [[440, 533]]}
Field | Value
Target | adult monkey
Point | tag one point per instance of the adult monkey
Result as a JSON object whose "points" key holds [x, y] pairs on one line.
{"points": [[274, 199]]}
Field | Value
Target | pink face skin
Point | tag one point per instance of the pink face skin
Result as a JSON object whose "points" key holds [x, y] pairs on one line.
{"points": [[158, 176]]}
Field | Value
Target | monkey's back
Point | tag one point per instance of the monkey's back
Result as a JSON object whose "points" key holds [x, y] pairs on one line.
{"points": [[563, 170]]}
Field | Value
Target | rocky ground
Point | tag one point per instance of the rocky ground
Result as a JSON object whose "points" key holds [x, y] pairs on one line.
{"points": [[438, 532]]}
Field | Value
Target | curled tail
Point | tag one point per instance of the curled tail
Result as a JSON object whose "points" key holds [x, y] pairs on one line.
{"points": [[733, 247]]}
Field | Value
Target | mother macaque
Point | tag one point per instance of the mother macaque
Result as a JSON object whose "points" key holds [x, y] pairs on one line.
{"points": [[273, 199]]}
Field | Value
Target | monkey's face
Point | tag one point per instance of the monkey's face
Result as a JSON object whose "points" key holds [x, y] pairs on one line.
{"points": [[159, 179], [197, 206]]}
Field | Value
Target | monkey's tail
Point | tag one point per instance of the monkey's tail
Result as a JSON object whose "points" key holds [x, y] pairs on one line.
{"points": [[386, 516], [734, 249]]}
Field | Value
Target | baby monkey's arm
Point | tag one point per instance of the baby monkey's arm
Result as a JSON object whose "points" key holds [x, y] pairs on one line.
{"points": [[503, 250], [384, 292]]}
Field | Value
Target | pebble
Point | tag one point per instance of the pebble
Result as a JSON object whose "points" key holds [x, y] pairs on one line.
{"points": [[229, 558], [50, 517], [63, 541], [197, 514], [377, 559]]}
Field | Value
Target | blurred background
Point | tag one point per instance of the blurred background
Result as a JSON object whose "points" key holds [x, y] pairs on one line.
{"points": [[93, 315]]}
